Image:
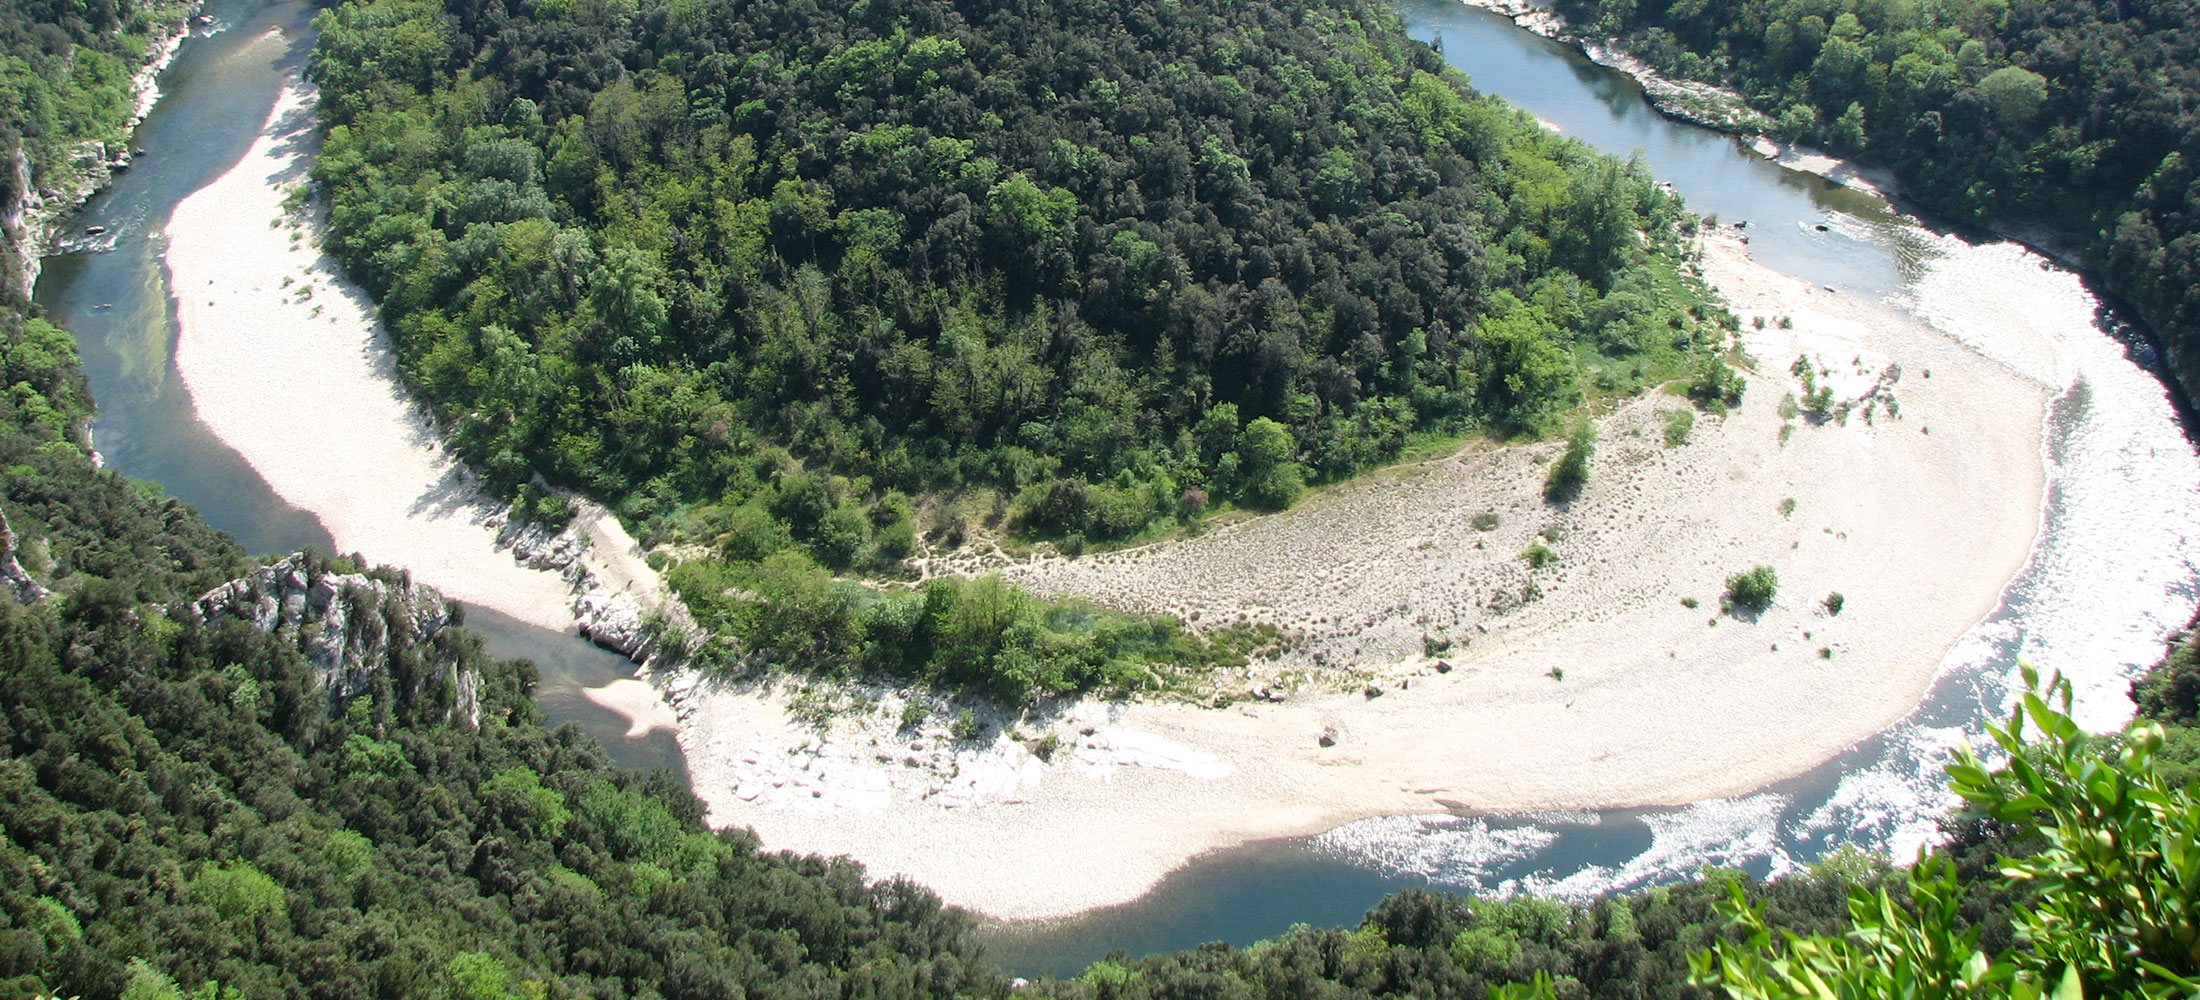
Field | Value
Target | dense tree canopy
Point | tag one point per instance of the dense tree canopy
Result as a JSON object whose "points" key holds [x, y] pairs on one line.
{"points": [[2065, 118], [1120, 261], [186, 804]]}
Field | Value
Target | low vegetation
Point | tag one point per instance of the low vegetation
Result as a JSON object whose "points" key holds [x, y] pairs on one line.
{"points": [[979, 635], [1571, 471], [1678, 425], [1753, 590]]}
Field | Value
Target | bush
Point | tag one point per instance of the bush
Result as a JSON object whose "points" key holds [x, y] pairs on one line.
{"points": [[1717, 387], [1834, 601], [1678, 424], [965, 726], [1538, 555], [1754, 590], [1572, 468]]}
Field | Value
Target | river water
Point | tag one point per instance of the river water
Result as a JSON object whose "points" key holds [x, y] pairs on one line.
{"points": [[2116, 568], [112, 292]]}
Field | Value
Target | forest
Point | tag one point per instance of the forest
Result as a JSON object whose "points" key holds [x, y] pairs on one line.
{"points": [[758, 274], [2065, 122], [801, 289]]}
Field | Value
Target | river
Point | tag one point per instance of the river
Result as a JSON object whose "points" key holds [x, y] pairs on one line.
{"points": [[111, 291], [2116, 568]]}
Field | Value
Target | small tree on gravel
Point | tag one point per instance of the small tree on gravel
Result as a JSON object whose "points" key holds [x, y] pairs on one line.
{"points": [[1752, 591], [1572, 468]]}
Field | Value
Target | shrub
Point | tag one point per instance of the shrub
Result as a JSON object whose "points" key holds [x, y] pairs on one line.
{"points": [[1834, 601], [1486, 521], [1572, 468], [965, 726], [1538, 555], [1753, 590], [1678, 424], [1717, 386], [1787, 507]]}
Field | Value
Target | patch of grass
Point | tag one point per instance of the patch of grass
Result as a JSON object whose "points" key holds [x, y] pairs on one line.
{"points": [[1787, 507], [1690, 603], [1538, 555], [1486, 521]]}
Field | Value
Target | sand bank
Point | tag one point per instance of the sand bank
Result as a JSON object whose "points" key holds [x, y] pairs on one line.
{"points": [[1583, 684], [287, 363]]}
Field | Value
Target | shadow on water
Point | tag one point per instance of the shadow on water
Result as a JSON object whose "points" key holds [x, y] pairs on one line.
{"points": [[569, 666], [1261, 890]]}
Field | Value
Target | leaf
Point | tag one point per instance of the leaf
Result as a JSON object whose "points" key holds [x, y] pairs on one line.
{"points": [[2070, 988]]}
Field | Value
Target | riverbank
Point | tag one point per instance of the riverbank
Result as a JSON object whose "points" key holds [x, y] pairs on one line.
{"points": [[286, 363], [1585, 683], [1696, 102], [31, 222]]}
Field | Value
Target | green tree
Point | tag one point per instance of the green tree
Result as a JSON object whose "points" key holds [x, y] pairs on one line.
{"points": [[1571, 471], [2115, 884], [2015, 95], [1753, 590], [238, 891], [1272, 480]]}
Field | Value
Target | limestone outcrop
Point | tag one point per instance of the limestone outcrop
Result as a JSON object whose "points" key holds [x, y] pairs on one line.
{"points": [[350, 626]]}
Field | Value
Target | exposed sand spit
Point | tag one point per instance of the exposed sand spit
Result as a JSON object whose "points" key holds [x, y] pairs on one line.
{"points": [[286, 362], [1918, 521]]}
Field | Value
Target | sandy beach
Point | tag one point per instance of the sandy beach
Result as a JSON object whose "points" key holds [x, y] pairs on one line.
{"points": [[1600, 689], [286, 362]]}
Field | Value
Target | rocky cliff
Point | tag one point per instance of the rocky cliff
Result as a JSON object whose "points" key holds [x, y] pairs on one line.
{"points": [[350, 626]]}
